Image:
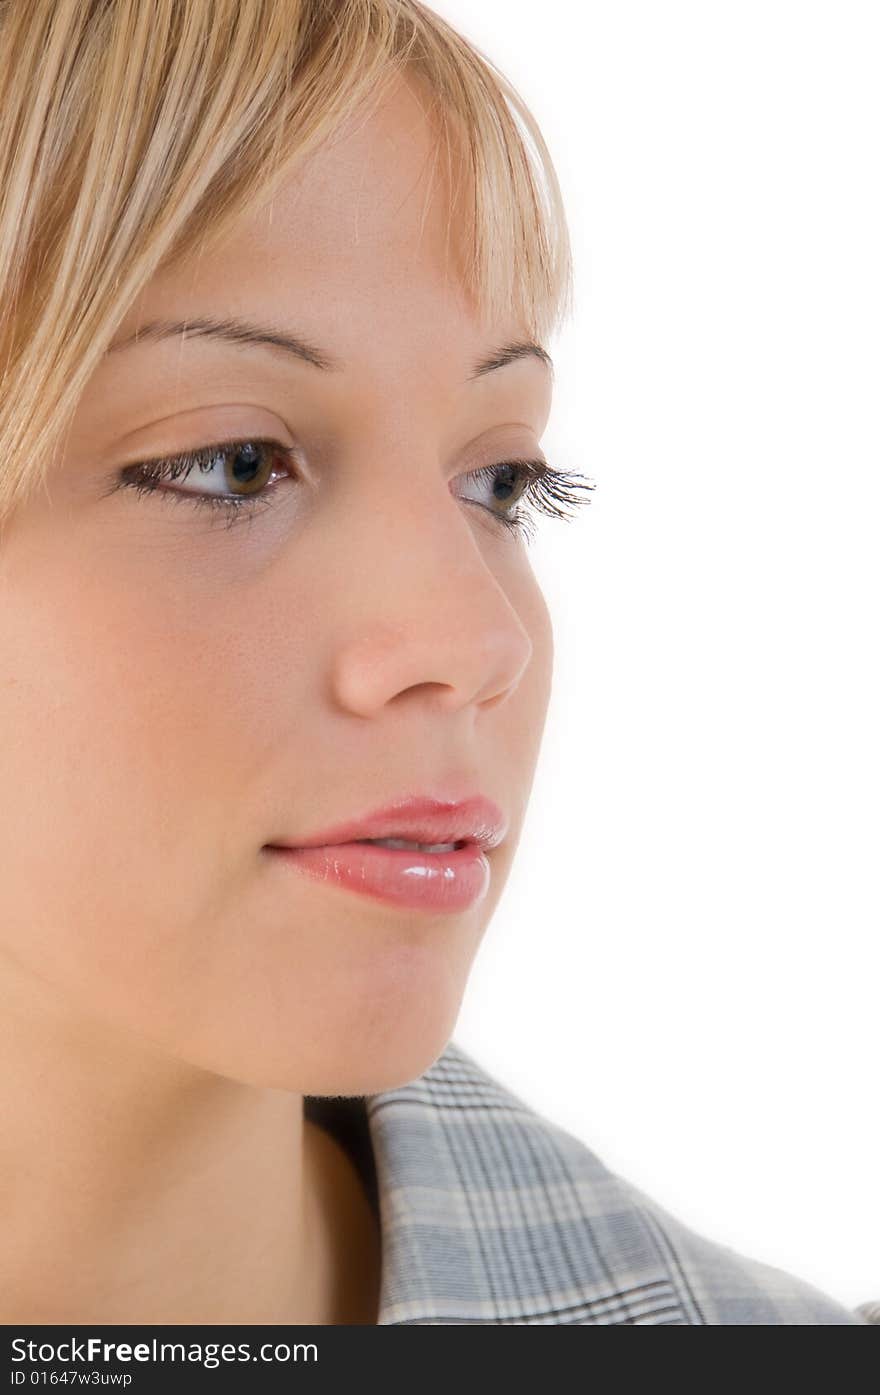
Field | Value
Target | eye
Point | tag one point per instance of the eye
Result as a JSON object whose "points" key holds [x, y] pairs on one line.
{"points": [[249, 466], [523, 488]]}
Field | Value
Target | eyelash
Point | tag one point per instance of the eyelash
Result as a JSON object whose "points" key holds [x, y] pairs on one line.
{"points": [[548, 491]]}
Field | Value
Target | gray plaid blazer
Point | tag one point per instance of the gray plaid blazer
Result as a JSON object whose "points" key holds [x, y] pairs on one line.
{"points": [[490, 1213]]}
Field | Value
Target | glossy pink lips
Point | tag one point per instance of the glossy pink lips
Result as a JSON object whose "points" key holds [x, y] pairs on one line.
{"points": [[426, 881]]}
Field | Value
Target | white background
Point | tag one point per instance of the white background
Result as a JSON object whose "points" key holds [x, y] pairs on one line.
{"points": [[683, 968]]}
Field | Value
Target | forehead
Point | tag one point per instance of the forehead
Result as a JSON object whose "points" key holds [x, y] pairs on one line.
{"points": [[360, 239]]}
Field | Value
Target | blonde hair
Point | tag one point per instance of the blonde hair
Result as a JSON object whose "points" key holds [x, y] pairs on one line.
{"points": [[133, 131]]}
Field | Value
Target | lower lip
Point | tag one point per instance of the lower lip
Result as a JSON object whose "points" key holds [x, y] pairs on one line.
{"points": [[419, 881]]}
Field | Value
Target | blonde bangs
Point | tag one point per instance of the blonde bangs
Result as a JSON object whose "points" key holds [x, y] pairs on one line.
{"points": [[133, 134]]}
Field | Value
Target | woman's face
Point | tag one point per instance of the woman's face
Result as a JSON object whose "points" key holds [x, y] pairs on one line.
{"points": [[176, 694]]}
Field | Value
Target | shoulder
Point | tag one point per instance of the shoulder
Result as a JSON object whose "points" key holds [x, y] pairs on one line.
{"points": [[541, 1230]]}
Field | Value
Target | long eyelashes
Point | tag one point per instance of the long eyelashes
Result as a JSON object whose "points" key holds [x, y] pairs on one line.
{"points": [[552, 492], [535, 486]]}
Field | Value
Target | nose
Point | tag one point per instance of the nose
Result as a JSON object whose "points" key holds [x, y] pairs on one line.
{"points": [[432, 622]]}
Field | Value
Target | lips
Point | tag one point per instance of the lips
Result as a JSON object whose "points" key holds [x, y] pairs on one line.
{"points": [[449, 880], [435, 882], [417, 819]]}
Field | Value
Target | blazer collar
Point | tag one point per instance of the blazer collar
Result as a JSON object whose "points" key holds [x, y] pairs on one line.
{"points": [[489, 1213]]}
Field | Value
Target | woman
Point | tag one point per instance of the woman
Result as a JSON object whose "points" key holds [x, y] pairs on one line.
{"points": [[277, 278]]}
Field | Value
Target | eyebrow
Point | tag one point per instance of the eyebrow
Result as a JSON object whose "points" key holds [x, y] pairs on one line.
{"points": [[246, 332]]}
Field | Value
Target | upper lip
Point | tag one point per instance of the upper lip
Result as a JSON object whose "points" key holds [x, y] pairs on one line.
{"points": [[418, 819]]}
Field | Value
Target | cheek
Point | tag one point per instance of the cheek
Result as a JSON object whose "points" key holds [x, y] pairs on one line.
{"points": [[120, 733], [540, 627], [528, 705]]}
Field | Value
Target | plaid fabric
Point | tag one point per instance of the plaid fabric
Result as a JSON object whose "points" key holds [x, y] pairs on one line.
{"points": [[490, 1213]]}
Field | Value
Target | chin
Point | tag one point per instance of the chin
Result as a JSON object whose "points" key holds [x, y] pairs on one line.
{"points": [[380, 1062], [359, 1057]]}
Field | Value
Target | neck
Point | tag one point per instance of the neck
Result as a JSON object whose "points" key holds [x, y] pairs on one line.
{"points": [[139, 1189]]}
